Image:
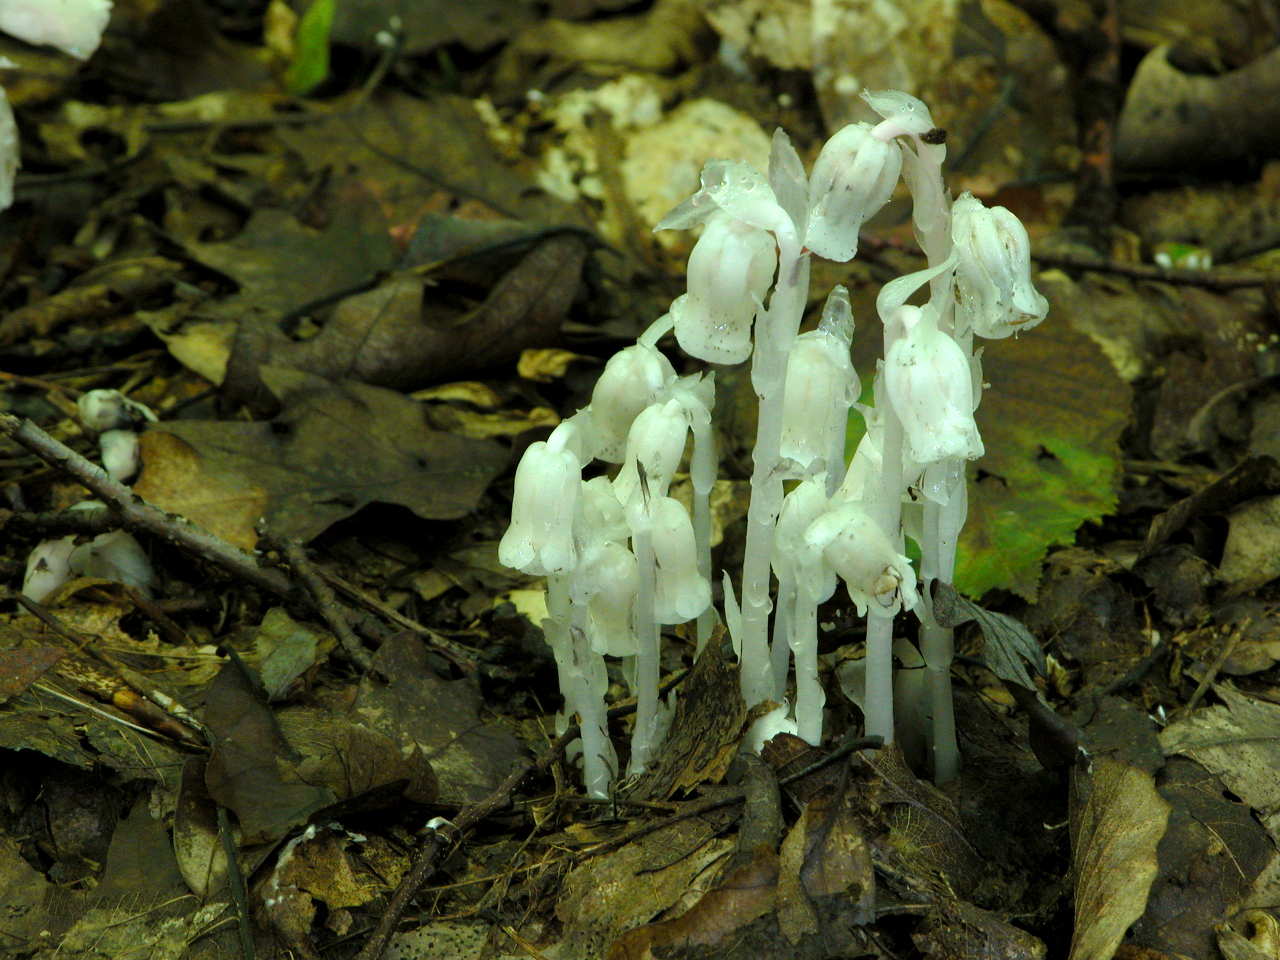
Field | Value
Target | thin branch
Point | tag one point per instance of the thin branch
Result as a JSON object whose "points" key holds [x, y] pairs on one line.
{"points": [[326, 603], [437, 846], [137, 514], [460, 656]]}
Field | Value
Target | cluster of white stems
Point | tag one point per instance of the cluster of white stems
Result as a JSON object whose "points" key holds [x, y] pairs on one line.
{"points": [[622, 558]]}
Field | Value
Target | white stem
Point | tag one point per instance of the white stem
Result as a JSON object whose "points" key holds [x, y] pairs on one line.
{"points": [[556, 626], [878, 696], [888, 513], [937, 645], [776, 329], [810, 697], [702, 475], [647, 649], [580, 681], [780, 650], [931, 212], [584, 679]]}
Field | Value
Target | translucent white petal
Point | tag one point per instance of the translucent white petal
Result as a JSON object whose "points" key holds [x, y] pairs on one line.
{"points": [[607, 581], [789, 182], [794, 558], [47, 568], [852, 179], [873, 571], [632, 379], [996, 295], [539, 540], [73, 26], [821, 387], [736, 188], [730, 270], [929, 382], [682, 593], [655, 444], [903, 113]]}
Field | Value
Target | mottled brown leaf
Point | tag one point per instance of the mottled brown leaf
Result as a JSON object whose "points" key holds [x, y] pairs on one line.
{"points": [[333, 449], [1114, 835], [21, 667]]}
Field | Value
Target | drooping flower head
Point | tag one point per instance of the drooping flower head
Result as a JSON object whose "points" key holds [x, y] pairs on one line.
{"points": [[852, 179], [928, 380], [655, 445], [548, 482], [821, 387], [733, 262], [993, 274], [633, 378], [730, 271], [876, 574], [681, 592]]}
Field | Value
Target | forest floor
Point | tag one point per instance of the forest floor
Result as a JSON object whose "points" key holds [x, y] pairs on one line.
{"points": [[287, 702]]}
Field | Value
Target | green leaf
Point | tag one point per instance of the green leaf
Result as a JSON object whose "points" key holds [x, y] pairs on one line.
{"points": [[1051, 423], [310, 63], [1008, 642]]}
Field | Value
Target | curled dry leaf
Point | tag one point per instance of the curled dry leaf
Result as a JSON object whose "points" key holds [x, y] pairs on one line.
{"points": [[1114, 835]]}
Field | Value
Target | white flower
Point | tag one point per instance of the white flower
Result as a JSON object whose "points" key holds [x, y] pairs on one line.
{"points": [[733, 263], [543, 508], [113, 556], [111, 410], [821, 387], [739, 190], [632, 379], [121, 454], [73, 26], [48, 568], [10, 157], [730, 271], [904, 115], [794, 558], [655, 445], [852, 179], [681, 592], [929, 382], [607, 581], [993, 276], [873, 571], [603, 516]]}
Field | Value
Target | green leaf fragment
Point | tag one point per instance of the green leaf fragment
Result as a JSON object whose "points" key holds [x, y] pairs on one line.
{"points": [[310, 64]]}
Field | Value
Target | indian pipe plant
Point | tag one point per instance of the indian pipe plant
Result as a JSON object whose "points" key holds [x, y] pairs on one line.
{"points": [[622, 558]]}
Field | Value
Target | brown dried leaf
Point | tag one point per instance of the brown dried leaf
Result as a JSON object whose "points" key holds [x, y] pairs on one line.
{"points": [[441, 717], [745, 895], [824, 856], [334, 449], [251, 769], [202, 489], [381, 337], [22, 667], [1114, 835], [197, 845], [706, 730]]}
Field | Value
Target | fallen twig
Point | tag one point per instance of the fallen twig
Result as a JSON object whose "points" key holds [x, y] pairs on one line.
{"points": [[460, 656], [326, 603], [436, 846], [137, 514]]}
